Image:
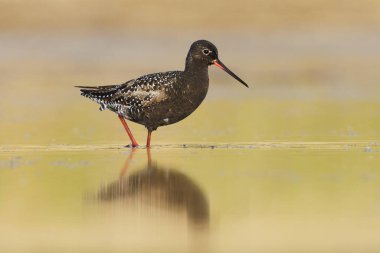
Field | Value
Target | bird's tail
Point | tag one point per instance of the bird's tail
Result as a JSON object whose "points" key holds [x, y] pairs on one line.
{"points": [[99, 93]]}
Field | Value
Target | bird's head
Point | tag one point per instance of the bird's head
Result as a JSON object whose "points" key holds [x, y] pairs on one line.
{"points": [[204, 52]]}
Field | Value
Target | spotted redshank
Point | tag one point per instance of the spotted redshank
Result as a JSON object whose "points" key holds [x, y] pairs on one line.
{"points": [[163, 98]]}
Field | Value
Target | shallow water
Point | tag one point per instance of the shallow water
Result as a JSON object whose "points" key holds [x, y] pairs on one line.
{"points": [[191, 199]]}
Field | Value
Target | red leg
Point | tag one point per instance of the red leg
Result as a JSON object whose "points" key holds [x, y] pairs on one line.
{"points": [[134, 142], [148, 139]]}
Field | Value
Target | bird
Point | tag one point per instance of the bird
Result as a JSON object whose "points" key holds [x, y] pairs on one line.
{"points": [[163, 98]]}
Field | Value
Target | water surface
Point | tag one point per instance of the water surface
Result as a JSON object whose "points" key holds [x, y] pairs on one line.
{"points": [[191, 199]]}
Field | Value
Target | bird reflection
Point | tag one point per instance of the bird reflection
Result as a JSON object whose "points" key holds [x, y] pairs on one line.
{"points": [[159, 186]]}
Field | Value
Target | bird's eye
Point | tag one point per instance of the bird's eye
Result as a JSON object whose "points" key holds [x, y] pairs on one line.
{"points": [[206, 51]]}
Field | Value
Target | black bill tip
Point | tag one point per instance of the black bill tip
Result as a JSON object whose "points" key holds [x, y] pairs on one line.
{"points": [[219, 64]]}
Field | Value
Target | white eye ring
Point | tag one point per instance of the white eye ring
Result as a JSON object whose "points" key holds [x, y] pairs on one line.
{"points": [[206, 51]]}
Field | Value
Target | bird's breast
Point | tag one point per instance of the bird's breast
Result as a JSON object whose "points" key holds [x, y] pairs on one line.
{"points": [[190, 97]]}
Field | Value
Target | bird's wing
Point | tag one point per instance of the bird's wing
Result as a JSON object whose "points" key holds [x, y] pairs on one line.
{"points": [[137, 93], [151, 89]]}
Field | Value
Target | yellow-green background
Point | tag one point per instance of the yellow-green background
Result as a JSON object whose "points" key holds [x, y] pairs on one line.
{"points": [[295, 166]]}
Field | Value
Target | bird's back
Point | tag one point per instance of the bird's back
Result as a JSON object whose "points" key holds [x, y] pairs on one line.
{"points": [[133, 93]]}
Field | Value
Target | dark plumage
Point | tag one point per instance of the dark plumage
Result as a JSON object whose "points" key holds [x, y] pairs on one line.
{"points": [[163, 98]]}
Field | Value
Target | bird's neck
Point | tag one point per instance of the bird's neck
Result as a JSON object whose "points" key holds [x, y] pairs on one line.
{"points": [[196, 68]]}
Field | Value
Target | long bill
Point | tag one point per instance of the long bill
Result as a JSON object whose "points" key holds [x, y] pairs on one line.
{"points": [[219, 64]]}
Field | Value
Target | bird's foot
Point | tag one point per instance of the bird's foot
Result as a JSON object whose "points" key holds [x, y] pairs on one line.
{"points": [[132, 146]]}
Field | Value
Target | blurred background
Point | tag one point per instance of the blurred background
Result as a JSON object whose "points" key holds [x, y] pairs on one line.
{"points": [[300, 171], [312, 67]]}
